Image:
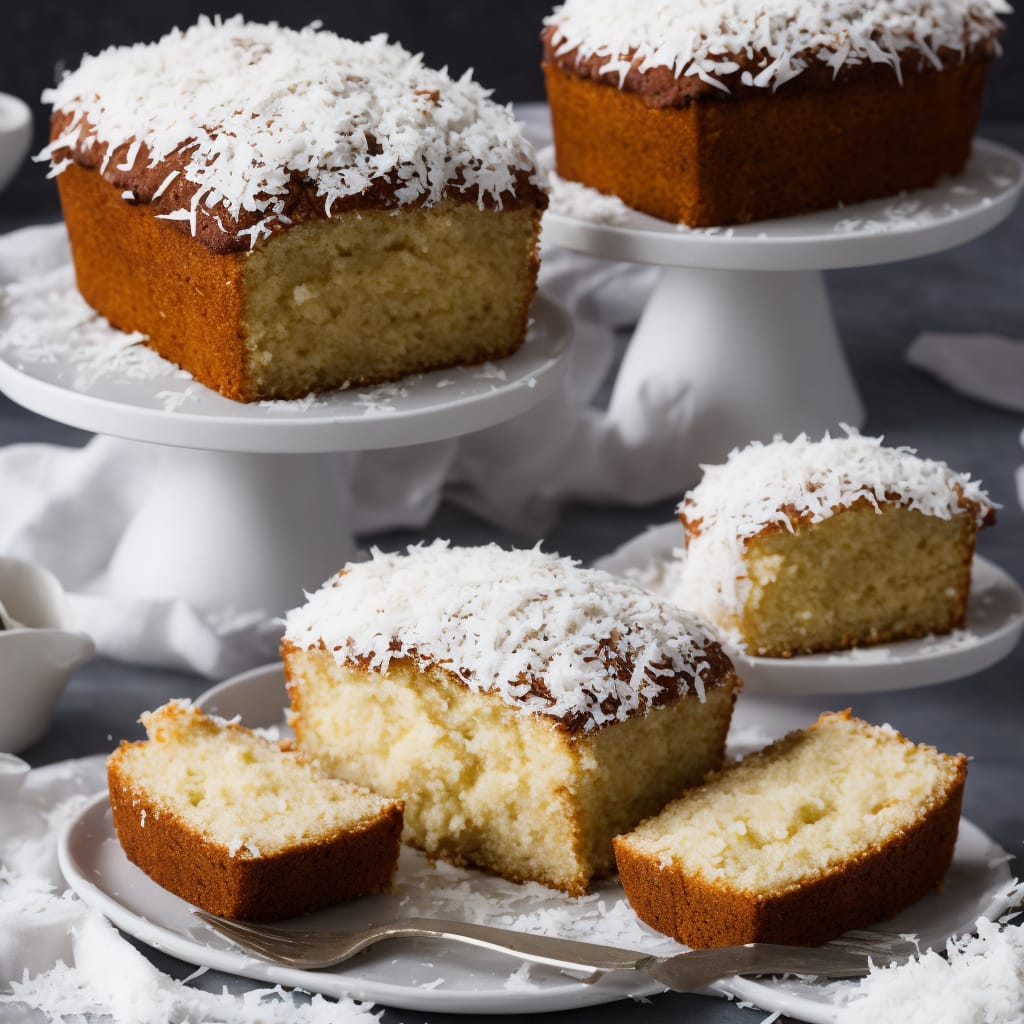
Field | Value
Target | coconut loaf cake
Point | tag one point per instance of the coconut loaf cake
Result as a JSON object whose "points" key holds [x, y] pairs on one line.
{"points": [[801, 546], [231, 823], [282, 212], [525, 709], [723, 111], [830, 828]]}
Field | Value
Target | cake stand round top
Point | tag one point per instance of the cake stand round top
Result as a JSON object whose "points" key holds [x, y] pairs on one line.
{"points": [[74, 368], [887, 230]]}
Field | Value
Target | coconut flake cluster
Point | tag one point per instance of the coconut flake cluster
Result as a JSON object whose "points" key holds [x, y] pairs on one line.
{"points": [[980, 980], [253, 105], [803, 481], [538, 630], [705, 37]]}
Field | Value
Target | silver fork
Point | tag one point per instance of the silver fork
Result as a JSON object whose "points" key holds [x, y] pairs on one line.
{"points": [[848, 957]]}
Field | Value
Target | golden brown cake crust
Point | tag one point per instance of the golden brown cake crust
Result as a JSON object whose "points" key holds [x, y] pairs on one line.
{"points": [[267, 888], [738, 159], [876, 885], [143, 275]]}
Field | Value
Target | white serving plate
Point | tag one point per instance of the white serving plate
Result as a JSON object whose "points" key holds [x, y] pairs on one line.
{"points": [[426, 976], [995, 620], [431, 977]]}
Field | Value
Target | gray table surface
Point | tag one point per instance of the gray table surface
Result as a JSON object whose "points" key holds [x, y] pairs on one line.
{"points": [[978, 287]]}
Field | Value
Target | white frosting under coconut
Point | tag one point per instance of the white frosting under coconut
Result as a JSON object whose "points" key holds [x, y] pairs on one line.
{"points": [[263, 102], [776, 484], [602, 647], [702, 37]]}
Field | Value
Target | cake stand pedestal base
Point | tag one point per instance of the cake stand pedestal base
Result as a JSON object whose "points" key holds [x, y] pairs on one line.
{"points": [[757, 352], [235, 530], [740, 325]]}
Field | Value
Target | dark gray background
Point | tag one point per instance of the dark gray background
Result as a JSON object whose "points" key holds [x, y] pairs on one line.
{"points": [[500, 41]]}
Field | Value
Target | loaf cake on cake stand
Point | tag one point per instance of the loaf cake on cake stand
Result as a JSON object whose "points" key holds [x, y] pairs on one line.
{"points": [[248, 507]]}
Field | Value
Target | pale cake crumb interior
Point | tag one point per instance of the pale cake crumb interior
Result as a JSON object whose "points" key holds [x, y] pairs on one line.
{"points": [[237, 789], [862, 576], [489, 785], [765, 827], [370, 295]]}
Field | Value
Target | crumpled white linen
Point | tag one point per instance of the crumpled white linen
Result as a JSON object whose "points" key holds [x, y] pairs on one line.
{"points": [[986, 367], [60, 957]]}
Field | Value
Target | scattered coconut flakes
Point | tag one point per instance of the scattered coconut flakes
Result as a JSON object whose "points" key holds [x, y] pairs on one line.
{"points": [[956, 640], [979, 981], [573, 199], [174, 400], [862, 655], [108, 978], [780, 38], [250, 106], [304, 404], [544, 634], [439, 890], [47, 321], [757, 485], [519, 980], [488, 371], [901, 215]]}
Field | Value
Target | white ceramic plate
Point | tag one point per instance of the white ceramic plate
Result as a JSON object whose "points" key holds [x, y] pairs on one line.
{"points": [[429, 977], [995, 620]]}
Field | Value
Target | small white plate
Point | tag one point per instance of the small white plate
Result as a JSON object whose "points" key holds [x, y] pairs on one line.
{"points": [[995, 620]]}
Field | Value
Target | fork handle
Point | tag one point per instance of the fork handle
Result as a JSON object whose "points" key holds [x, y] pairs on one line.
{"points": [[542, 949]]}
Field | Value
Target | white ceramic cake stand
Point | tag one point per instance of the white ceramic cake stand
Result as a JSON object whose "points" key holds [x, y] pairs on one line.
{"points": [[741, 319], [247, 510]]}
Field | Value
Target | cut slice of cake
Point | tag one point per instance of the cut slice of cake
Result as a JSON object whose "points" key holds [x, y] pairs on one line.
{"points": [[525, 709], [282, 211], [802, 546], [231, 823], [831, 828]]}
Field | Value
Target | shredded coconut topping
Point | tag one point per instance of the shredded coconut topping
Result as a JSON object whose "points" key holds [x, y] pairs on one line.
{"points": [[542, 633], [713, 39], [250, 107], [802, 481]]}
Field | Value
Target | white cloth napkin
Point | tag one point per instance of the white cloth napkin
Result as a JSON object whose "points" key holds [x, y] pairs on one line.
{"points": [[986, 367]]}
